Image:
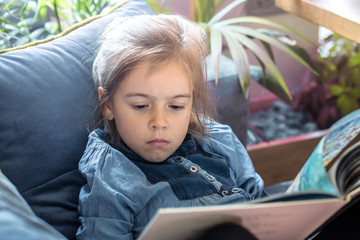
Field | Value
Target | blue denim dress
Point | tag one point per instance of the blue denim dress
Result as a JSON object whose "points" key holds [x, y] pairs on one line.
{"points": [[123, 191]]}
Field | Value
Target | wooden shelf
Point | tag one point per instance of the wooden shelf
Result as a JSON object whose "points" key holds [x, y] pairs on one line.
{"points": [[340, 16]]}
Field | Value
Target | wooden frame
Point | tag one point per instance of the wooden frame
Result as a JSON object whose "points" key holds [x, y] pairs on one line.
{"points": [[280, 160], [342, 17]]}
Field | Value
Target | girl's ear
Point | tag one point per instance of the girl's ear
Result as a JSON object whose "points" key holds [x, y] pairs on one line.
{"points": [[100, 93], [106, 106]]}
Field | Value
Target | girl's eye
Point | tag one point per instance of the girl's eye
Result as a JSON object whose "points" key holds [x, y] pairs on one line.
{"points": [[176, 107], [140, 107]]}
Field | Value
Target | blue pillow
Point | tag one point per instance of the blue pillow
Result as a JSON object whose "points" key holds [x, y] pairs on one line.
{"points": [[47, 99]]}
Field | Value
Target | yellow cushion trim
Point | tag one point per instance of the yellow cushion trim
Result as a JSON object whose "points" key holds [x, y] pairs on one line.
{"points": [[66, 31]]}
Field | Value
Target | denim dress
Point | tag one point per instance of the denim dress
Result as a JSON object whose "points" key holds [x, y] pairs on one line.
{"points": [[123, 191]]}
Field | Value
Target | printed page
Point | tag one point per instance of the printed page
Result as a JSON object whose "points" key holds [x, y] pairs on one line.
{"points": [[315, 173], [286, 220], [346, 173], [340, 135]]}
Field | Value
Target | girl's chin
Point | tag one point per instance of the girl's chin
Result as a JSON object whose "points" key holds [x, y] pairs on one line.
{"points": [[156, 158]]}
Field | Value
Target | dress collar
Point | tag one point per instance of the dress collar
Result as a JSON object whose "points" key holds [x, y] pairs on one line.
{"points": [[188, 146]]}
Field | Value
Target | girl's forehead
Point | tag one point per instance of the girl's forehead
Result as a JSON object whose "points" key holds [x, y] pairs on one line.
{"points": [[153, 66], [169, 78]]}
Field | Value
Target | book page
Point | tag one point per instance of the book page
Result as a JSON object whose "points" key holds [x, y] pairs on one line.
{"points": [[345, 173], [267, 221], [315, 173], [340, 137]]}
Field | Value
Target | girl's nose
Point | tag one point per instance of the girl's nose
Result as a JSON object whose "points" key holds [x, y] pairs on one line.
{"points": [[158, 120]]}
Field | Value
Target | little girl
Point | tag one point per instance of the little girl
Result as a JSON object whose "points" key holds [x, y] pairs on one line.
{"points": [[159, 148]]}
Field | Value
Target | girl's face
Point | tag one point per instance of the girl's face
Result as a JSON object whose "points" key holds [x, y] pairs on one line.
{"points": [[152, 110]]}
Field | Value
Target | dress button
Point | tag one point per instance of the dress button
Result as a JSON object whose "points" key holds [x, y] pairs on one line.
{"points": [[193, 169], [224, 193], [235, 190], [210, 178]]}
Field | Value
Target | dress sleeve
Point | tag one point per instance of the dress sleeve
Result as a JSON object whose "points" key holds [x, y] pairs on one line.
{"points": [[106, 211], [224, 142]]}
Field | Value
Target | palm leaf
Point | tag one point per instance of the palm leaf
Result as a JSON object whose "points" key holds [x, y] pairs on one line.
{"points": [[240, 58], [216, 50], [224, 11], [268, 50], [305, 57], [268, 82], [263, 56], [266, 22], [285, 48], [284, 39]]}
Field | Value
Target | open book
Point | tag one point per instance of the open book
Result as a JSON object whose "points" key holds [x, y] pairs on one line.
{"points": [[328, 182]]}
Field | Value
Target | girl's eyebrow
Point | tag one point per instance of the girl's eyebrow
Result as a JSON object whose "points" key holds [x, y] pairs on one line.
{"points": [[129, 95], [182, 96], [137, 95]]}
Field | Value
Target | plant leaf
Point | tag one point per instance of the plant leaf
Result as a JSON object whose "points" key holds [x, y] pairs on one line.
{"points": [[268, 50], [336, 90], [261, 54], [216, 50], [355, 92], [304, 59], [41, 10], [157, 7], [266, 22], [224, 11], [346, 104], [35, 35], [268, 82], [204, 10], [240, 58]]}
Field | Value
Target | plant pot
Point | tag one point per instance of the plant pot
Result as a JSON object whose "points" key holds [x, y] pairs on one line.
{"points": [[281, 160], [228, 98]]}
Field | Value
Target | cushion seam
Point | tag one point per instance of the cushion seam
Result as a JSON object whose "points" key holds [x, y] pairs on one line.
{"points": [[47, 181], [83, 47]]}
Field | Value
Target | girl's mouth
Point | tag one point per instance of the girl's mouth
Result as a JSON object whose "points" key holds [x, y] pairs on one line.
{"points": [[158, 142]]}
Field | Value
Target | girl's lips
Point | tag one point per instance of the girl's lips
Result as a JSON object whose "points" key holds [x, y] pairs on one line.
{"points": [[158, 142]]}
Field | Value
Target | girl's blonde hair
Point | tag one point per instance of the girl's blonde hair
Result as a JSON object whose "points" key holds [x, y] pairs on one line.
{"points": [[157, 40]]}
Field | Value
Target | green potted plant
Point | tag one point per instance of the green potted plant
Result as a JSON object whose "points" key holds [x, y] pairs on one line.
{"points": [[336, 90], [234, 36], [25, 21]]}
